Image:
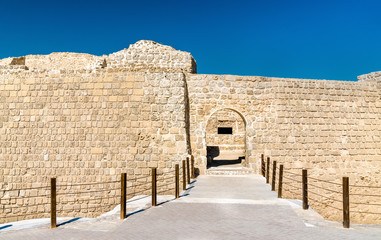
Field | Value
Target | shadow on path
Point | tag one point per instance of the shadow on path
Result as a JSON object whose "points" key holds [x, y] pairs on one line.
{"points": [[160, 203], [69, 221], [6, 226]]}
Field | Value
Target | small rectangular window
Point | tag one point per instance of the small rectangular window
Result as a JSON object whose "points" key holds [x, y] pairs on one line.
{"points": [[225, 130]]}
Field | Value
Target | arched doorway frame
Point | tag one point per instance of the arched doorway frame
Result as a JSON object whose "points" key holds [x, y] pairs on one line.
{"points": [[246, 136]]}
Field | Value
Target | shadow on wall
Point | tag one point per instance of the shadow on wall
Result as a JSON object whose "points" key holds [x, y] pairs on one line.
{"points": [[211, 153], [196, 172]]}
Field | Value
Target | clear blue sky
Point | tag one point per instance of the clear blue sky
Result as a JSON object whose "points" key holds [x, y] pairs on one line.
{"points": [[304, 39]]}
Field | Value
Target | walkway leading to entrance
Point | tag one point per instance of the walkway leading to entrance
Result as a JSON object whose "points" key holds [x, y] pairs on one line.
{"points": [[228, 167], [213, 207]]}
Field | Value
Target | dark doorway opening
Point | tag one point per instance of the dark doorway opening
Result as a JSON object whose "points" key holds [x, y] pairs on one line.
{"points": [[213, 152]]}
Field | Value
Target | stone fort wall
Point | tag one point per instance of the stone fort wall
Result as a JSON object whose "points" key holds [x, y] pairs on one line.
{"points": [[331, 128], [89, 118], [86, 126]]}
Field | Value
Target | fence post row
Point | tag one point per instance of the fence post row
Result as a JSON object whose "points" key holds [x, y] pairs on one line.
{"points": [[184, 177], [192, 167], [263, 164], [188, 171], [177, 181], [305, 189], [280, 181], [123, 195], [53, 203], [268, 170], [346, 221], [154, 198], [345, 186], [273, 177]]}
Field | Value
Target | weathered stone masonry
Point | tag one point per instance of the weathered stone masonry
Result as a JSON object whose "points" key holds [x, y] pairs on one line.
{"points": [[89, 126], [84, 118]]}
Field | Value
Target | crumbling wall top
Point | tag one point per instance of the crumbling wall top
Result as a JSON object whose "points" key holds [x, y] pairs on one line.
{"points": [[373, 76], [151, 56], [139, 57]]}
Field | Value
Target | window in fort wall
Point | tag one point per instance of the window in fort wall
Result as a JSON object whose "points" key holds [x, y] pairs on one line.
{"points": [[225, 130]]}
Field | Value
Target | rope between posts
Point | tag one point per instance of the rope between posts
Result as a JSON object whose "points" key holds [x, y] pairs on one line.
{"points": [[298, 187], [292, 179], [34, 205], [165, 190], [142, 191], [133, 179], [290, 184], [324, 196], [21, 189], [165, 185], [366, 195], [162, 179], [309, 184], [291, 173], [82, 184], [365, 212], [324, 204], [104, 190], [372, 204], [171, 171], [128, 201], [363, 186], [88, 200], [288, 190], [139, 185], [23, 215], [86, 208], [18, 197], [320, 180]]}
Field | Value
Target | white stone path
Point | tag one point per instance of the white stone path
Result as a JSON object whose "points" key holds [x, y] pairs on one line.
{"points": [[213, 207]]}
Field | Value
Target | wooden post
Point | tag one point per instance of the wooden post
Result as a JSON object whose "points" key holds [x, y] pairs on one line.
{"points": [[305, 189], [53, 203], [280, 181], [154, 197], [188, 171], [177, 181], [268, 170], [192, 167], [263, 164], [123, 196], [346, 221], [273, 177], [184, 177]]}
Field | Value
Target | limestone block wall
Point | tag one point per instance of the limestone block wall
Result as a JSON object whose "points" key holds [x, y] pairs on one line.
{"points": [[331, 128], [85, 127]]}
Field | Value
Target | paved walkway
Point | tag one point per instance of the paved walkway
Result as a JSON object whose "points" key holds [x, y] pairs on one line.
{"points": [[214, 207]]}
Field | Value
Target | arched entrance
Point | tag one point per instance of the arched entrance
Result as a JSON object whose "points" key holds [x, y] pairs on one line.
{"points": [[226, 139]]}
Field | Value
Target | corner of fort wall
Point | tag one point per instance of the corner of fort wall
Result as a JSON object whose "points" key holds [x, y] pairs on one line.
{"points": [[87, 125]]}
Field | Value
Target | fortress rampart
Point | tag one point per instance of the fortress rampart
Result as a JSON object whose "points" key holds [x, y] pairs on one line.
{"points": [[85, 118]]}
